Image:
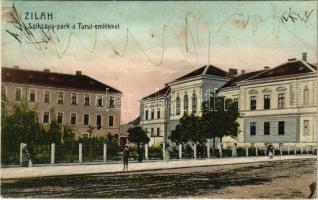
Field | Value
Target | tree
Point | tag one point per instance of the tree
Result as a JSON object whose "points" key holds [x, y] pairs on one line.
{"points": [[219, 118], [138, 136], [55, 132], [68, 136], [90, 130], [189, 129]]}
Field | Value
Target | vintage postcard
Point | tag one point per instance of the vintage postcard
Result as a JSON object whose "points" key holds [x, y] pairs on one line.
{"points": [[162, 99]]}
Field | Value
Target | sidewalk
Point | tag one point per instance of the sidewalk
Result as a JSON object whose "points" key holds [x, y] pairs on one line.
{"points": [[55, 170]]}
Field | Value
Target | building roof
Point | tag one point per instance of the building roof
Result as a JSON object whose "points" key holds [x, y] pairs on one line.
{"points": [[163, 92], [287, 69], [204, 70], [233, 82], [52, 79]]}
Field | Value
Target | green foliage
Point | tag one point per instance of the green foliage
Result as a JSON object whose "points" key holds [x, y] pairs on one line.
{"points": [[68, 136], [155, 152], [188, 130], [138, 135]]}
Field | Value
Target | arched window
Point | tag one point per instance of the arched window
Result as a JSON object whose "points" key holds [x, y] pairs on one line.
{"points": [[306, 96], [186, 103], [178, 106], [194, 103]]}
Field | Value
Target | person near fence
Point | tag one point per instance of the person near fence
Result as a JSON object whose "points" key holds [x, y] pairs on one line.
{"points": [[234, 150], [25, 157], [125, 158], [270, 150], [140, 152]]}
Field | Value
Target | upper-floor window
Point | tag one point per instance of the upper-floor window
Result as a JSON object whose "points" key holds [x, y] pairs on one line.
{"points": [[32, 95], [18, 94], [86, 119], [99, 121], [306, 96], [178, 106], [281, 128], [73, 118], [158, 113], [47, 97], [266, 128], [186, 103], [158, 132], [86, 99], [60, 117], [46, 117], [111, 102], [147, 115], [74, 98], [110, 121], [306, 127], [253, 128], [235, 100], [194, 103], [100, 101], [253, 102], [281, 100], [152, 114], [267, 102], [60, 97]]}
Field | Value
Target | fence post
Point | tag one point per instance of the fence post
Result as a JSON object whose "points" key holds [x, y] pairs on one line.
{"points": [[256, 151], [246, 149], [208, 149], [195, 151], [265, 151], [105, 152], [52, 153], [80, 157], [307, 150], [288, 150], [164, 151], [146, 151], [21, 147], [295, 150], [180, 151]]}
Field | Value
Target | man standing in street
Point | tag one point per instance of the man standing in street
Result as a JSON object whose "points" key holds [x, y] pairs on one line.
{"points": [[125, 158]]}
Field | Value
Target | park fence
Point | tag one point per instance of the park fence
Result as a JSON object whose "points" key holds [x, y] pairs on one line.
{"points": [[84, 153]]}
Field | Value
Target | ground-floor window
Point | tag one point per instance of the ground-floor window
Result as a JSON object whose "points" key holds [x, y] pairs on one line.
{"points": [[281, 128], [253, 128], [266, 128]]}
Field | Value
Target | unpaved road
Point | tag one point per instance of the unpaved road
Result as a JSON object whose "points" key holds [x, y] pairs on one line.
{"points": [[276, 179]]}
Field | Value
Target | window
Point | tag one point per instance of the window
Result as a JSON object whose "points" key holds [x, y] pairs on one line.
{"points": [[18, 94], [253, 128], [32, 95], [306, 127], [100, 102], [46, 117], [110, 121], [111, 102], [306, 96], [86, 99], [60, 117], [99, 121], [186, 103], [60, 97], [158, 132], [235, 100], [152, 114], [147, 113], [158, 113], [46, 96], [281, 100], [266, 128], [178, 106], [194, 103], [73, 118], [253, 102], [281, 128], [267, 102], [152, 132], [86, 119], [74, 98]]}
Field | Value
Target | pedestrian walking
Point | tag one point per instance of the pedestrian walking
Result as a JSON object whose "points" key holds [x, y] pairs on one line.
{"points": [[270, 150], [26, 158], [125, 158]]}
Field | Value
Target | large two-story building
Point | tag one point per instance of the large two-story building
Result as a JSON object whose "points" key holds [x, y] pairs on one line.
{"points": [[76, 100]]}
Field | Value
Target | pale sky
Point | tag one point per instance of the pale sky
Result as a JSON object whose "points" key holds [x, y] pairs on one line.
{"points": [[243, 35]]}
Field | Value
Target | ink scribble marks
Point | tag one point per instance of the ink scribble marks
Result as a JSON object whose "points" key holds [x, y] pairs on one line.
{"points": [[293, 16]]}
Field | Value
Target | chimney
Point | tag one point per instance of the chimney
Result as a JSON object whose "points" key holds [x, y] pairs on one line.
{"points": [[243, 71], [292, 59], [266, 67], [15, 67], [78, 73], [304, 56], [46, 70], [232, 72]]}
